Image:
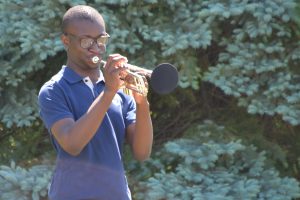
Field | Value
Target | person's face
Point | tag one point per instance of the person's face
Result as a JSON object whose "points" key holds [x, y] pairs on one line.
{"points": [[84, 40]]}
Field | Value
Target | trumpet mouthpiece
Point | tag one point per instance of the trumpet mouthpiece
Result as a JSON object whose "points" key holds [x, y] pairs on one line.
{"points": [[95, 59]]}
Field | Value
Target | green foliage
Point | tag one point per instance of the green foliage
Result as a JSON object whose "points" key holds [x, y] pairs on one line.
{"points": [[143, 31], [23, 145], [30, 34], [248, 49], [255, 54], [260, 57], [211, 165], [296, 16], [24, 184]]}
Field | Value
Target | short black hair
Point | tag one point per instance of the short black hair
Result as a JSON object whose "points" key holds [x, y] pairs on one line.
{"points": [[80, 12]]}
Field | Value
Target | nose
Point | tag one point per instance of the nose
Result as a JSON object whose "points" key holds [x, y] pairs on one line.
{"points": [[99, 49]]}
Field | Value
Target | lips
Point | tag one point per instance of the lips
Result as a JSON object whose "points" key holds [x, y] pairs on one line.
{"points": [[95, 57]]}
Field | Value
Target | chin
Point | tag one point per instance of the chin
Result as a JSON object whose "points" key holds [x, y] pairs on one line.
{"points": [[90, 64], [93, 65]]}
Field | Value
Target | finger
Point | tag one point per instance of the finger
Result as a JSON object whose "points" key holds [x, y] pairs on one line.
{"points": [[116, 60], [119, 61], [121, 71], [117, 76], [145, 81]]}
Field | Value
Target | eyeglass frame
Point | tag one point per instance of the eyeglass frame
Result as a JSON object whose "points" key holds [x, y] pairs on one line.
{"points": [[94, 40]]}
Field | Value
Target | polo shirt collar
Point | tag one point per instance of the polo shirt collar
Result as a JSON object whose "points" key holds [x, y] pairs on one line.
{"points": [[72, 77]]}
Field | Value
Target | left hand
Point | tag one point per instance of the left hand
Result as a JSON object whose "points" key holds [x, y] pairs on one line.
{"points": [[139, 98]]}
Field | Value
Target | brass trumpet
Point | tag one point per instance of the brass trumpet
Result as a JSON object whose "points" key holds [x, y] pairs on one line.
{"points": [[163, 79]]}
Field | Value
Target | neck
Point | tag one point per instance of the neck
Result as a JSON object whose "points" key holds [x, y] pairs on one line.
{"points": [[85, 70]]}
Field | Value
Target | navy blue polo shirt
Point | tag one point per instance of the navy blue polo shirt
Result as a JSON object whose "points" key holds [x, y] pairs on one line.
{"points": [[97, 172]]}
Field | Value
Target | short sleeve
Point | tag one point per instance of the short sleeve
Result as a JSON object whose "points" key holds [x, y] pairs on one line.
{"points": [[129, 110], [53, 105]]}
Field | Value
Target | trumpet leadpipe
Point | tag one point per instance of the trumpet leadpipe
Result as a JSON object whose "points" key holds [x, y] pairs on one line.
{"points": [[132, 68]]}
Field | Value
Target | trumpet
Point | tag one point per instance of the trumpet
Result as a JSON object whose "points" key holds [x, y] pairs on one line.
{"points": [[163, 79]]}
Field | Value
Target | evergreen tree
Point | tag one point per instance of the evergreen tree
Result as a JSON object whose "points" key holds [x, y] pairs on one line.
{"points": [[256, 41], [247, 49], [211, 165]]}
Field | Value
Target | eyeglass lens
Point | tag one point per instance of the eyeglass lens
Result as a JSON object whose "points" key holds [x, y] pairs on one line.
{"points": [[88, 42]]}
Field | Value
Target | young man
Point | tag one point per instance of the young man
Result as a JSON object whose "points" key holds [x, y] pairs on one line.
{"points": [[89, 118]]}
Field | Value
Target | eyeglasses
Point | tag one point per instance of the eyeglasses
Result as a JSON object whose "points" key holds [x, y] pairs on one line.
{"points": [[88, 42]]}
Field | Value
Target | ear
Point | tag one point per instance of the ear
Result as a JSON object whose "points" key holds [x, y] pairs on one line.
{"points": [[65, 40]]}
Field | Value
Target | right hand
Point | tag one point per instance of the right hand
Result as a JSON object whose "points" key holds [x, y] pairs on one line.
{"points": [[112, 70]]}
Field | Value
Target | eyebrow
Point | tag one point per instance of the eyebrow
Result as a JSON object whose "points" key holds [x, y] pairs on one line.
{"points": [[102, 34]]}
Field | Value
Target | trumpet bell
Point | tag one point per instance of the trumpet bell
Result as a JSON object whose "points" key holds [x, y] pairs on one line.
{"points": [[164, 78]]}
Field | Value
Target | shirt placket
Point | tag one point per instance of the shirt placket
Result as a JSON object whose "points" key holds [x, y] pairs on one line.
{"points": [[87, 81]]}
